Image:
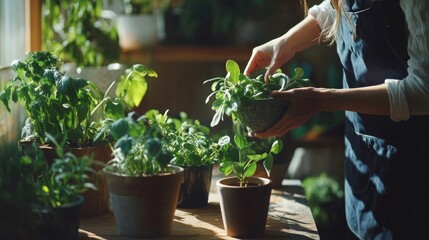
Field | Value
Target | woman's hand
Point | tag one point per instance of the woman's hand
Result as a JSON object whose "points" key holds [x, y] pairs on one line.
{"points": [[304, 103]]}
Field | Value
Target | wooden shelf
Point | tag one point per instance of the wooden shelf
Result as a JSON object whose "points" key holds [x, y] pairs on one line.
{"points": [[187, 53]]}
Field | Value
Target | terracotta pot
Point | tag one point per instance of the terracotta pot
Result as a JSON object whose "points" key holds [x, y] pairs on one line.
{"points": [[194, 191], [144, 206], [59, 223], [96, 201], [244, 209], [278, 173]]}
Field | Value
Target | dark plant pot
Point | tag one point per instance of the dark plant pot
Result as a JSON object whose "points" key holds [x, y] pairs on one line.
{"points": [[244, 209], [59, 223], [144, 206], [259, 115], [96, 201], [194, 191]]}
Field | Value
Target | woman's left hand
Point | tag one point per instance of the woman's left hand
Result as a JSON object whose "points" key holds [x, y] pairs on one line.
{"points": [[304, 103]]}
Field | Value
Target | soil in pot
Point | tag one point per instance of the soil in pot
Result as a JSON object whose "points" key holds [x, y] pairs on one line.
{"points": [[244, 209], [194, 191]]}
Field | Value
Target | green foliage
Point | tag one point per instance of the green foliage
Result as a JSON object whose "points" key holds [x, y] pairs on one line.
{"points": [[65, 107], [188, 141], [240, 159], [321, 191], [78, 33], [230, 91], [138, 148], [61, 181], [241, 156]]}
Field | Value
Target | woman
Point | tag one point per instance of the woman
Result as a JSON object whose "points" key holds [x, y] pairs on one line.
{"points": [[383, 48]]}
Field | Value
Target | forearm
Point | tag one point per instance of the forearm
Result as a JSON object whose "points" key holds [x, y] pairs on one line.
{"points": [[368, 100], [303, 35]]}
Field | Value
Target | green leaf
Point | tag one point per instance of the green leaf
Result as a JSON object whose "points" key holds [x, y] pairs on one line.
{"points": [[240, 141], [268, 164], [114, 110], [233, 70], [276, 147], [119, 128], [250, 170], [224, 140]]}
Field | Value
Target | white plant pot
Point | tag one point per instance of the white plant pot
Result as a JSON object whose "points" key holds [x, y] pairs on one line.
{"points": [[137, 31]]}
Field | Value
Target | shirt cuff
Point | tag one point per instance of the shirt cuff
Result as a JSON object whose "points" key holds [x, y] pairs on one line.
{"points": [[399, 110]]}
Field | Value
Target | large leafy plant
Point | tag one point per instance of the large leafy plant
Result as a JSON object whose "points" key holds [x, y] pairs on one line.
{"points": [[230, 91], [66, 107]]}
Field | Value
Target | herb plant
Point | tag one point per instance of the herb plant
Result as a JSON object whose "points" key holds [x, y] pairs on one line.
{"points": [[240, 158], [65, 107], [138, 149], [188, 141], [230, 91]]}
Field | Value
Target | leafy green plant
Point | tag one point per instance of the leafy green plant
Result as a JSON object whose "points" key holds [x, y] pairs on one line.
{"points": [[240, 158], [235, 88], [138, 149], [187, 140], [65, 107], [78, 33], [322, 192], [61, 181]]}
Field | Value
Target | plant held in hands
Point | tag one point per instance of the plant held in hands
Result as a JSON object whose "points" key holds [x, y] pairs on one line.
{"points": [[247, 99]]}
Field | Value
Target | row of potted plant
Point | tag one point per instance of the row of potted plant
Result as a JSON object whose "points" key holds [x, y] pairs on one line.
{"points": [[149, 150]]}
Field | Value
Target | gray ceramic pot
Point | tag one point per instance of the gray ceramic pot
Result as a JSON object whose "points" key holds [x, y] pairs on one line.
{"points": [[259, 115]]}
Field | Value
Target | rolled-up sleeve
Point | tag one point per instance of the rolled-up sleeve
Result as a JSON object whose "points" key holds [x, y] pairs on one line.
{"points": [[410, 96], [324, 15]]}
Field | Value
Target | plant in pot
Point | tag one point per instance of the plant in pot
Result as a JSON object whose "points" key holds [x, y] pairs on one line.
{"points": [[244, 198], [85, 37], [144, 187], [194, 149], [138, 24], [247, 100], [49, 208], [72, 110]]}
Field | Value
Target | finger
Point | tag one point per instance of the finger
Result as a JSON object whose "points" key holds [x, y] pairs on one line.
{"points": [[284, 95]]}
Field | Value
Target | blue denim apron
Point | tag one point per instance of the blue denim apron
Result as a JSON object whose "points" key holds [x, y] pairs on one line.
{"points": [[385, 166]]}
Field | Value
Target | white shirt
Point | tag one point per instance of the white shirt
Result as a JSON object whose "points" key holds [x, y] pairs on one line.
{"points": [[411, 95]]}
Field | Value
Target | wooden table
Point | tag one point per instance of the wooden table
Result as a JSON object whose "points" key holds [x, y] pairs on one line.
{"points": [[289, 218]]}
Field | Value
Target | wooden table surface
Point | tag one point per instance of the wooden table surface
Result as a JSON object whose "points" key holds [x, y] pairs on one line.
{"points": [[289, 218]]}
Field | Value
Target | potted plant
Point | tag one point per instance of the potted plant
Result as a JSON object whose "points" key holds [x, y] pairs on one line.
{"points": [[138, 24], [144, 187], [244, 198], [72, 110], [247, 99], [85, 37], [49, 207], [194, 149]]}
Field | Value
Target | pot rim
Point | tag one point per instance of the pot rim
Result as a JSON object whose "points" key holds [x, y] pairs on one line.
{"points": [[262, 180], [175, 170]]}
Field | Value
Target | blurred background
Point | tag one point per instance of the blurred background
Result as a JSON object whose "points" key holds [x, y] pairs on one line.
{"points": [[186, 42]]}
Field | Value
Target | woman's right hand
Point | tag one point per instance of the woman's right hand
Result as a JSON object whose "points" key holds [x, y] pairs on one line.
{"points": [[271, 55]]}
